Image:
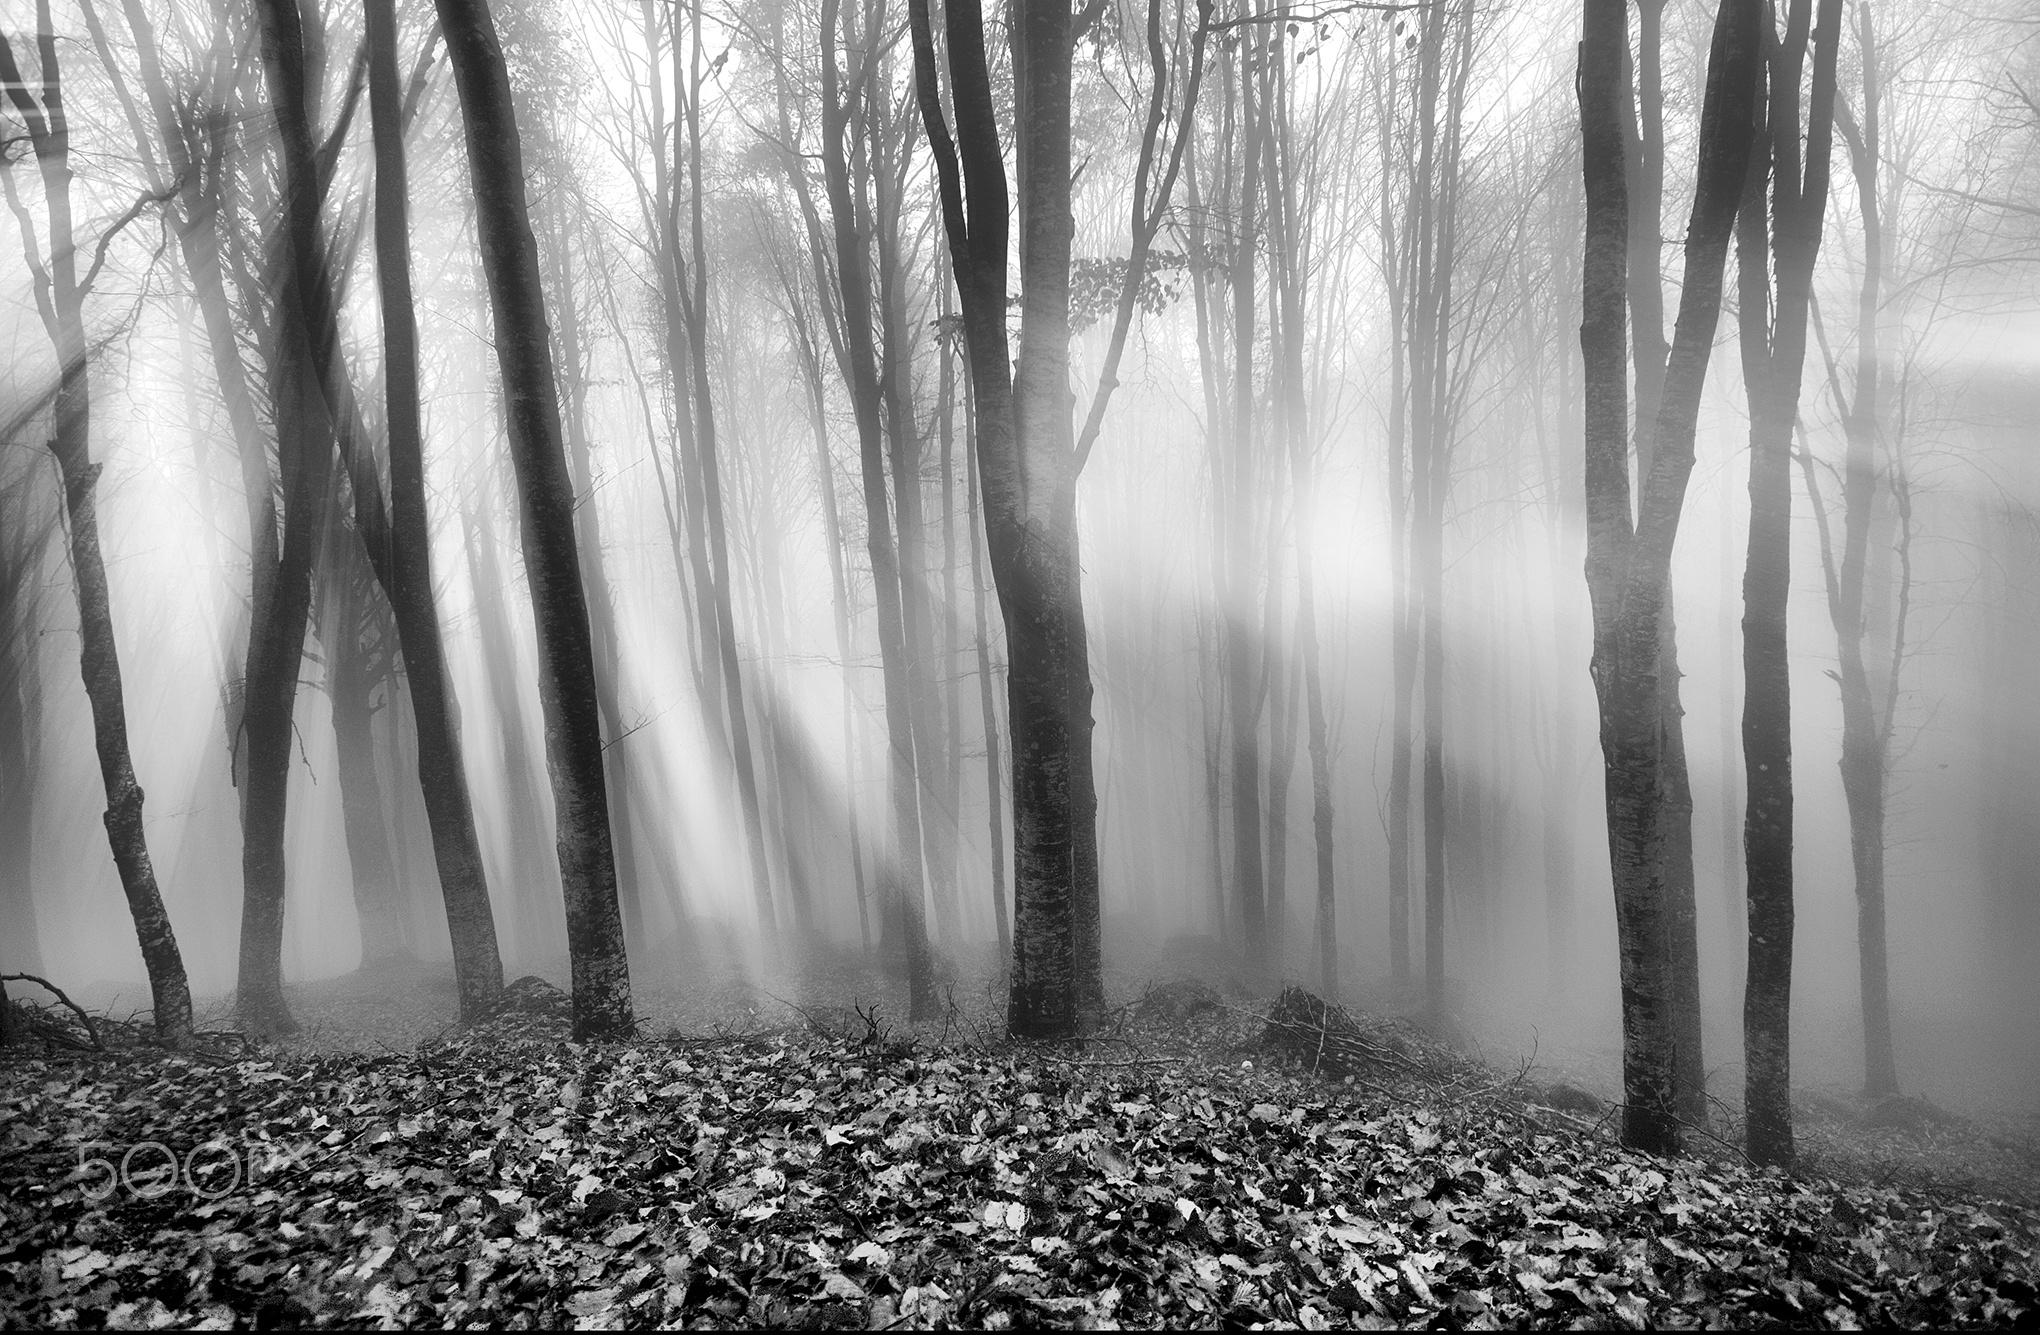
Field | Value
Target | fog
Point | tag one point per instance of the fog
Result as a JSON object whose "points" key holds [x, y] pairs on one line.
{"points": [[1526, 825]]}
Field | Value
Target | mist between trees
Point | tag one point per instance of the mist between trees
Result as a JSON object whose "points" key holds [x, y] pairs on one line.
{"points": [[1526, 523]]}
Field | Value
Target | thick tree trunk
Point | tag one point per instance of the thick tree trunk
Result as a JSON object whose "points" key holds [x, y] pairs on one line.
{"points": [[567, 688], [1025, 443], [1629, 559]]}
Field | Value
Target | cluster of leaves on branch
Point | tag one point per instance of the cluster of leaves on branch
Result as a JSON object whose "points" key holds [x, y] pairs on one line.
{"points": [[1096, 282], [807, 1180]]}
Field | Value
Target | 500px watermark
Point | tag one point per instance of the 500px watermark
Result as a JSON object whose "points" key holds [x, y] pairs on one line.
{"points": [[152, 1169]]}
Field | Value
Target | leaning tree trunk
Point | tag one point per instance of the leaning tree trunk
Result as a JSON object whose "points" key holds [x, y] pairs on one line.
{"points": [[442, 774], [71, 443], [566, 677], [305, 420]]}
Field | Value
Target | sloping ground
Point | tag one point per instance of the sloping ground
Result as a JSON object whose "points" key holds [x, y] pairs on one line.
{"points": [[1164, 1177]]}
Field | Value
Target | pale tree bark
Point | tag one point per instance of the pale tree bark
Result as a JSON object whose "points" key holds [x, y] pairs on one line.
{"points": [[28, 520], [1866, 719], [742, 755], [60, 299], [902, 865], [567, 688], [360, 646], [1628, 558]]}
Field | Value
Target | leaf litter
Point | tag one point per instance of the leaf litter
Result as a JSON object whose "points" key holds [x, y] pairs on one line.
{"points": [[1178, 1173]]}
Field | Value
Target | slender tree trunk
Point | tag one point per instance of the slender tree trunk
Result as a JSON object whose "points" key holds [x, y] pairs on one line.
{"points": [[64, 293], [839, 600], [1646, 167], [533, 877], [601, 597], [904, 865], [19, 721], [1865, 759], [378, 901], [567, 689], [995, 789], [1773, 359], [442, 773]]}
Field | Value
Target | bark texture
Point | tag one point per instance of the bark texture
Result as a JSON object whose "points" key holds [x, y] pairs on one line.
{"points": [[567, 687], [1629, 556], [442, 773]]}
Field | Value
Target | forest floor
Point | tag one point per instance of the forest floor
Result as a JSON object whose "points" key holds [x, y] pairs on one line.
{"points": [[749, 1161]]}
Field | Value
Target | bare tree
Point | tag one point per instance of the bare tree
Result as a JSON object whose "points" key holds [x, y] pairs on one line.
{"points": [[60, 295], [567, 687], [1778, 235], [1629, 558]]}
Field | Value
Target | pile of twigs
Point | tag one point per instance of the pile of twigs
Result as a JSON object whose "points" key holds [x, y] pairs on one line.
{"points": [[1326, 1040]]}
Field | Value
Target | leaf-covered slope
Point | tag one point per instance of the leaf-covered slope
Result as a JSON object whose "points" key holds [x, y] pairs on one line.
{"points": [[792, 1180]]}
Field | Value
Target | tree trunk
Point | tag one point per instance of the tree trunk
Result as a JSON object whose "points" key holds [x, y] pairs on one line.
{"points": [[1773, 359], [995, 794], [1028, 478], [567, 688], [351, 679], [71, 443], [853, 275], [1629, 559], [442, 773], [1865, 759], [1645, 164], [742, 753]]}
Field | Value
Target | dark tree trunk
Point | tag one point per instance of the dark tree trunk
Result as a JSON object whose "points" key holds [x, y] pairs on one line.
{"points": [[1024, 442], [567, 687], [306, 417], [1628, 560], [442, 774], [1645, 163], [1774, 355]]}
